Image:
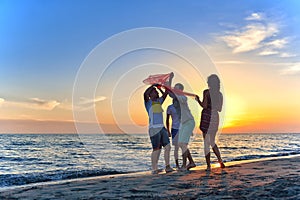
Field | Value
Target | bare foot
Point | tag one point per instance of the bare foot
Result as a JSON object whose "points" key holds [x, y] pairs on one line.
{"points": [[169, 169], [190, 165], [222, 165], [183, 168], [208, 169]]}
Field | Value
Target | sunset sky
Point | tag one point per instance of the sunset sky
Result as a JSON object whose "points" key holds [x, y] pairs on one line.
{"points": [[254, 45]]}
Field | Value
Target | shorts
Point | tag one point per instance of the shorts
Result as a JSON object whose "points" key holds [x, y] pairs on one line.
{"points": [[175, 134], [160, 138], [186, 131]]}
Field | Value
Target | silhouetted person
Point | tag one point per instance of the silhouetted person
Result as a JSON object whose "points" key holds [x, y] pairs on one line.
{"points": [[212, 104], [173, 112], [157, 132], [187, 125]]}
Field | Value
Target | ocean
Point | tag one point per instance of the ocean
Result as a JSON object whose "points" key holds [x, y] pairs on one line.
{"points": [[34, 158]]}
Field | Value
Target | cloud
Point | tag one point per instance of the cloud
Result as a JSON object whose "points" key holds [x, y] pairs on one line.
{"points": [[83, 104], [287, 55], [267, 52], [84, 100], [259, 33], [1, 101], [229, 62], [273, 47], [249, 37], [291, 70], [279, 43], [31, 103], [65, 105], [255, 16], [37, 103]]}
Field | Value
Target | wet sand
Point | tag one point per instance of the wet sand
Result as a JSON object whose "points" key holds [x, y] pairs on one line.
{"points": [[277, 178]]}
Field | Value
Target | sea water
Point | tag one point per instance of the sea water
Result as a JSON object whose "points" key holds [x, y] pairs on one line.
{"points": [[33, 158]]}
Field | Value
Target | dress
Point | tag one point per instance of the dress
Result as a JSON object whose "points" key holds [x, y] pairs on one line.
{"points": [[209, 115]]}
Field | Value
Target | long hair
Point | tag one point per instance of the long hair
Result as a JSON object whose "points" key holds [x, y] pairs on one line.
{"points": [[213, 82]]}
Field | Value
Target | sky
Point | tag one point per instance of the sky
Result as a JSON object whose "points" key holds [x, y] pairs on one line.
{"points": [[254, 46]]}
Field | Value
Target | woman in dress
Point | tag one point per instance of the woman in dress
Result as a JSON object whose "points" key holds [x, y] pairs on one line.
{"points": [[212, 104]]}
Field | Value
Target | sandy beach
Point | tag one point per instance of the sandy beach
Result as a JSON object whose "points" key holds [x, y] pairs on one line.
{"points": [[264, 179]]}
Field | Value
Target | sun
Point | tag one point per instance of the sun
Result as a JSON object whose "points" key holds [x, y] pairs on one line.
{"points": [[235, 111]]}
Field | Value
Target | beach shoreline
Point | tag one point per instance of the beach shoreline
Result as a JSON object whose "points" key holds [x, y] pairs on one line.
{"points": [[275, 178]]}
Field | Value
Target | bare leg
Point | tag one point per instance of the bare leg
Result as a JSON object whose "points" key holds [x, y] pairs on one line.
{"points": [[177, 164], [217, 152], [184, 159], [176, 155], [167, 158], [184, 154], [154, 158], [207, 158], [191, 161], [167, 154], [216, 149], [206, 139], [189, 156]]}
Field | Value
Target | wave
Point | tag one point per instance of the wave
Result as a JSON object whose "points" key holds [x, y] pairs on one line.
{"points": [[7, 180], [251, 157], [235, 148], [18, 159]]}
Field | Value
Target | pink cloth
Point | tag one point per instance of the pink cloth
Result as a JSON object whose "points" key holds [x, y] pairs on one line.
{"points": [[162, 79], [158, 78]]}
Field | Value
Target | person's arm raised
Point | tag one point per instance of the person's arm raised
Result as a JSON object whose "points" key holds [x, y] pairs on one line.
{"points": [[147, 93], [168, 124], [168, 84]]}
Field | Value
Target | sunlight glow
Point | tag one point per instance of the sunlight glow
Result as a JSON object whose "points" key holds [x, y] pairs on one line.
{"points": [[235, 110]]}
